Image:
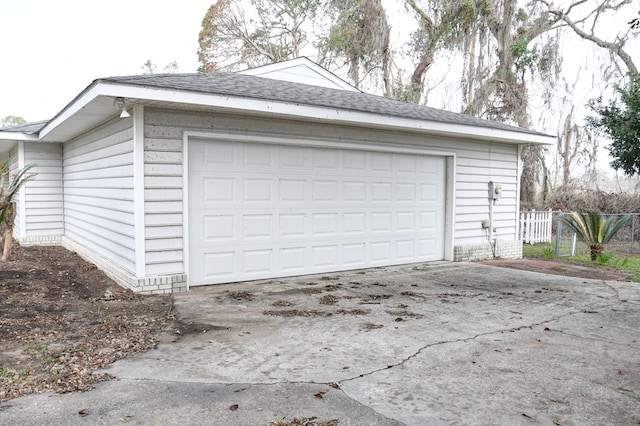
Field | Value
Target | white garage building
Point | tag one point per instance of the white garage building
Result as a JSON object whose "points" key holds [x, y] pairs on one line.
{"points": [[278, 171]]}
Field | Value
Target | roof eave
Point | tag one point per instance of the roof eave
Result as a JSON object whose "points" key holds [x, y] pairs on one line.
{"points": [[18, 136], [102, 88]]}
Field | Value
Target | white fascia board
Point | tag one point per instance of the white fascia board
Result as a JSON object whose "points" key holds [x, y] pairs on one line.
{"points": [[18, 136], [308, 112]]}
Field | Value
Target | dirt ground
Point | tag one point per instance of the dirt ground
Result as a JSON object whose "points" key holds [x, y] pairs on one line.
{"points": [[559, 268], [61, 319]]}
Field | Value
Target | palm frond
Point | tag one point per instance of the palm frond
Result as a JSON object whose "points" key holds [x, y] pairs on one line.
{"points": [[592, 228], [19, 179]]}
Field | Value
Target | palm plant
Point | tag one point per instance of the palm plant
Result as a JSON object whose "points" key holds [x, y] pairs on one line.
{"points": [[594, 229], [8, 205]]}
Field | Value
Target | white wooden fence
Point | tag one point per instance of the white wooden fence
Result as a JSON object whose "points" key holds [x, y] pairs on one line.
{"points": [[535, 226]]}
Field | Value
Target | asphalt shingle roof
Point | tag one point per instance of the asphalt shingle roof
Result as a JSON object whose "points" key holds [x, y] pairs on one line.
{"points": [[28, 128], [283, 91]]}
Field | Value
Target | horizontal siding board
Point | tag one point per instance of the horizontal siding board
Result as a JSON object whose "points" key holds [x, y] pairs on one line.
{"points": [[112, 182], [97, 212], [163, 194], [164, 219], [172, 256], [160, 244], [109, 193], [163, 157], [165, 268], [79, 202], [163, 182], [163, 169], [46, 232], [163, 232], [163, 207], [40, 226], [102, 173], [42, 218], [171, 145]]}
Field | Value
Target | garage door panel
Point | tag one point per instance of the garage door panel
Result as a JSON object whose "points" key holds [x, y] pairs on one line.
{"points": [[218, 265], [258, 156], [217, 228], [293, 158], [218, 190], [406, 221], [354, 223], [292, 259], [355, 162], [354, 255], [266, 211], [291, 225], [218, 155], [324, 191], [324, 257], [292, 190], [354, 192], [405, 250]]}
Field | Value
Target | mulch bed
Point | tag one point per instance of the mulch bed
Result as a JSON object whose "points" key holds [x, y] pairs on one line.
{"points": [[558, 268]]}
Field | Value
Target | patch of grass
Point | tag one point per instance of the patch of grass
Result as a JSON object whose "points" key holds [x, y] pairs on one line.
{"points": [[629, 264], [549, 252], [6, 373]]}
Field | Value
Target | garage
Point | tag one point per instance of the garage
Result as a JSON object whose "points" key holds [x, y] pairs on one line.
{"points": [[264, 210]]}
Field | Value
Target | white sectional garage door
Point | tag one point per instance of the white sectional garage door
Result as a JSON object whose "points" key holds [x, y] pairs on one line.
{"points": [[263, 211]]}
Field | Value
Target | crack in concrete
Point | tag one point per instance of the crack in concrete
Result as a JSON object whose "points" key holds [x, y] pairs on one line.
{"points": [[467, 339]]}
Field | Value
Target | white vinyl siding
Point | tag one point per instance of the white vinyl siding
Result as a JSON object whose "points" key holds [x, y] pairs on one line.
{"points": [[475, 168], [98, 192], [163, 195], [43, 193]]}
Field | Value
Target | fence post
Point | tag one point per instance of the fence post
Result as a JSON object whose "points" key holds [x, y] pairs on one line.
{"points": [[633, 231], [558, 234], [549, 219]]}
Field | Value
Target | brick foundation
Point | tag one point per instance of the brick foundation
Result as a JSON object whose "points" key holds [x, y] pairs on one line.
{"points": [[150, 285], [483, 251]]}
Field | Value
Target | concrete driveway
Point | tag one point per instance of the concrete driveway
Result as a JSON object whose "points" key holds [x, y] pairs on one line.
{"points": [[416, 345]]}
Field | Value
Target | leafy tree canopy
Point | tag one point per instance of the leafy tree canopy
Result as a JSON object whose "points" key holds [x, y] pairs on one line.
{"points": [[621, 123], [11, 120]]}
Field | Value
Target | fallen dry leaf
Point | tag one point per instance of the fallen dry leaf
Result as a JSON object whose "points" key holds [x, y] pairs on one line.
{"points": [[320, 395]]}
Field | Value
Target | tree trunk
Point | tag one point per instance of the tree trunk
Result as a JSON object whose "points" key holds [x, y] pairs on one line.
{"points": [[8, 233], [8, 243], [596, 250]]}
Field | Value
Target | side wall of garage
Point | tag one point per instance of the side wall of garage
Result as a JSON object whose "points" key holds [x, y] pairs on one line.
{"points": [[99, 198]]}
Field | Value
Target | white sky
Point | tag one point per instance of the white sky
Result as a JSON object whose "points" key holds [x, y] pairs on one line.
{"points": [[53, 49]]}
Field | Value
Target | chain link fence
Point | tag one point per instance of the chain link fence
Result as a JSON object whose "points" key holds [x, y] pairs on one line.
{"points": [[625, 243], [546, 227]]}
